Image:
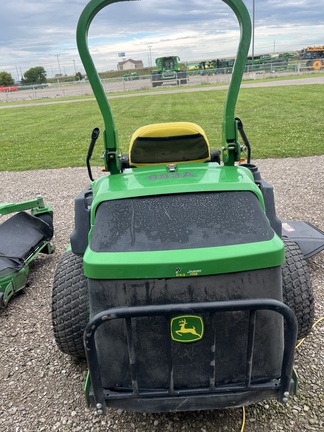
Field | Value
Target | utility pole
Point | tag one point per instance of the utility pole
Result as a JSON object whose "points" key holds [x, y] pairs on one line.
{"points": [[58, 62], [150, 55]]}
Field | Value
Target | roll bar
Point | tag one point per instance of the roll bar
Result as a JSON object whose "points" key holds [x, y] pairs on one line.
{"points": [[231, 146]]}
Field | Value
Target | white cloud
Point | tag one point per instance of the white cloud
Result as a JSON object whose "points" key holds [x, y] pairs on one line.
{"points": [[38, 33]]}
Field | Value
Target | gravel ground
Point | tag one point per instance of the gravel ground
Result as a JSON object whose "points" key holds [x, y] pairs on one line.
{"points": [[42, 389]]}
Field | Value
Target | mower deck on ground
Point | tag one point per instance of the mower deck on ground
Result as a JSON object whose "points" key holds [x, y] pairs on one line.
{"points": [[179, 286], [22, 237]]}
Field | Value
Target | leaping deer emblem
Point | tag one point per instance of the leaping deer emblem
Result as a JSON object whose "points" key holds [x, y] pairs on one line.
{"points": [[183, 329]]}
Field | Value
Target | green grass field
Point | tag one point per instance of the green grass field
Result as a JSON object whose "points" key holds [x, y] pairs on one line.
{"points": [[279, 122]]}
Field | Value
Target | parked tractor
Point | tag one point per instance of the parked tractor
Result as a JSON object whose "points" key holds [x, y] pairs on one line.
{"points": [[168, 71], [314, 56]]}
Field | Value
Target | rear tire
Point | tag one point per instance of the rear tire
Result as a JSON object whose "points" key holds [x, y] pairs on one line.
{"points": [[70, 305], [297, 288]]}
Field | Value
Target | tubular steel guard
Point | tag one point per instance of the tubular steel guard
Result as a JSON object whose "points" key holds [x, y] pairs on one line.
{"points": [[279, 388], [231, 146]]}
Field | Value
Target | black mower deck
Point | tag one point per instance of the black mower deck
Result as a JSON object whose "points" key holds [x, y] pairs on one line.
{"points": [[309, 238], [22, 237]]}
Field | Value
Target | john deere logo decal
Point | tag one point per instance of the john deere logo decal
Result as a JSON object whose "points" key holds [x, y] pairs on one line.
{"points": [[187, 328]]}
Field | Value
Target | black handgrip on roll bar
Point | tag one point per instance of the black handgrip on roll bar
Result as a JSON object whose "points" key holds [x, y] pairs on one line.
{"points": [[244, 137], [94, 137]]}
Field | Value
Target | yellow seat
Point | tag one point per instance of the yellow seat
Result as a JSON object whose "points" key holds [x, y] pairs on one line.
{"points": [[168, 143]]}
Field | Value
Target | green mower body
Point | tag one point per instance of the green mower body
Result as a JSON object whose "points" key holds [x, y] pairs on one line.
{"points": [[176, 282]]}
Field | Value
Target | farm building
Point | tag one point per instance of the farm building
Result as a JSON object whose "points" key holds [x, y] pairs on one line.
{"points": [[130, 64]]}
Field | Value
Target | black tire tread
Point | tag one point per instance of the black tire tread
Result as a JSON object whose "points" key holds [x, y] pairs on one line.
{"points": [[297, 287], [70, 305]]}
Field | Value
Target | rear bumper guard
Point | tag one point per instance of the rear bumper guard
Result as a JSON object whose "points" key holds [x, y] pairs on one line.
{"points": [[212, 397]]}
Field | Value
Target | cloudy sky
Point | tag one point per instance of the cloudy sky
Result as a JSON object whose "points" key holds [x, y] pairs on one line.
{"points": [[42, 33]]}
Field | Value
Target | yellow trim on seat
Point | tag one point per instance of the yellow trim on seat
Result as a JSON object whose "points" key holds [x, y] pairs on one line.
{"points": [[169, 130]]}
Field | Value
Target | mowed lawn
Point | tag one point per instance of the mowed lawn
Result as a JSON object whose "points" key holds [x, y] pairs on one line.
{"points": [[279, 122]]}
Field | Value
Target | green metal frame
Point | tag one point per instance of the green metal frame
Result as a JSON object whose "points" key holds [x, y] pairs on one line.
{"points": [[36, 206], [231, 147]]}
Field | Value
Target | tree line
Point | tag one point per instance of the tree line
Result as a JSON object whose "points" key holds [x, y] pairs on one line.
{"points": [[34, 75]]}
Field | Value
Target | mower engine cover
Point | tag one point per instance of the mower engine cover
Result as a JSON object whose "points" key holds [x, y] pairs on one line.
{"points": [[151, 222]]}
